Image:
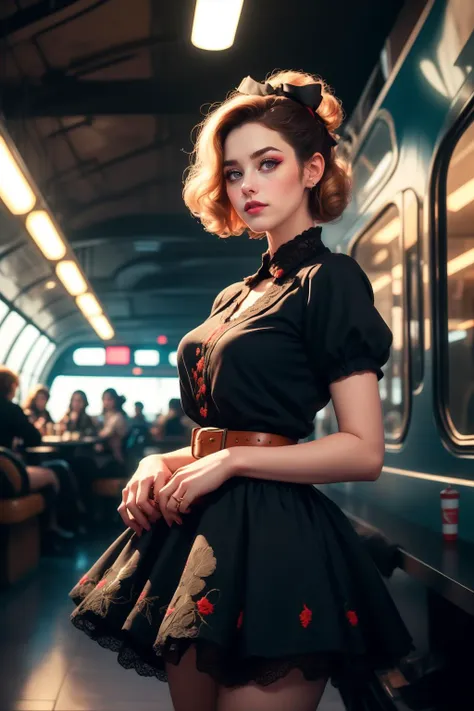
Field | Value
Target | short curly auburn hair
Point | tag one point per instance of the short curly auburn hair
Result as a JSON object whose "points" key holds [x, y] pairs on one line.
{"points": [[204, 191]]}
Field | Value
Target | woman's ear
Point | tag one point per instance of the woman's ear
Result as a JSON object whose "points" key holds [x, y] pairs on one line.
{"points": [[313, 170]]}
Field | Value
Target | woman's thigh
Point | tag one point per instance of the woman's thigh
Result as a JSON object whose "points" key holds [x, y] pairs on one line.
{"points": [[291, 692], [190, 689]]}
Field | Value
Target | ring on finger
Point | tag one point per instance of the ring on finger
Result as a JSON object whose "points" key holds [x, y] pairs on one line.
{"points": [[179, 500]]}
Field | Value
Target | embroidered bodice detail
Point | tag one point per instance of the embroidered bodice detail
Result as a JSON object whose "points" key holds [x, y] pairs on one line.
{"points": [[288, 257]]}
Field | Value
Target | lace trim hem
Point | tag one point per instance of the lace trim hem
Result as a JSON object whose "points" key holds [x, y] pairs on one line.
{"points": [[209, 658]]}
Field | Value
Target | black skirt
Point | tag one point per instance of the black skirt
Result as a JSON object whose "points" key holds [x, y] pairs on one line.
{"points": [[263, 577]]}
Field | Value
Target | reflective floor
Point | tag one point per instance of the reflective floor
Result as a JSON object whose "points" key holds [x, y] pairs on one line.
{"points": [[47, 664]]}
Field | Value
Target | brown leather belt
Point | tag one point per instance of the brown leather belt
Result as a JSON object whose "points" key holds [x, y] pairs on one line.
{"points": [[207, 440]]}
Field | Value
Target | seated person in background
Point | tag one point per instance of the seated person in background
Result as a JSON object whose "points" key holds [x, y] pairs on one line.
{"points": [[172, 426], [139, 418], [34, 407], [14, 424], [114, 431], [76, 418]]}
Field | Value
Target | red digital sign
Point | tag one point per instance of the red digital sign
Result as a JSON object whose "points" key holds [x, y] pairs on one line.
{"points": [[117, 355]]}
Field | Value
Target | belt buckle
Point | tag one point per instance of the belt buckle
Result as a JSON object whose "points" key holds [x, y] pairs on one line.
{"points": [[211, 431]]}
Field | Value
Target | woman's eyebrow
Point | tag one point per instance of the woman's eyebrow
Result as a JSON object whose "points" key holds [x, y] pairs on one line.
{"points": [[260, 152]]}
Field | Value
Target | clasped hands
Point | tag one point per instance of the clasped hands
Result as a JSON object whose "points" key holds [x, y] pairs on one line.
{"points": [[154, 491]]}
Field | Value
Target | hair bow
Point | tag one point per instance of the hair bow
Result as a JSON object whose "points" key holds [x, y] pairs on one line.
{"points": [[309, 96]]}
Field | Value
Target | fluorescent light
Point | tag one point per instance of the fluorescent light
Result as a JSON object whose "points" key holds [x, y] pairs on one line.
{"points": [[14, 188], [466, 325], [381, 282], [461, 262], [461, 197], [387, 233], [68, 272], [89, 356], [215, 23], [44, 233], [88, 305], [458, 335], [173, 358], [380, 256], [102, 327], [146, 357]]}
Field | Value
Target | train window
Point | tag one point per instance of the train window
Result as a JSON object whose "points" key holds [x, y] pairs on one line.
{"points": [[20, 349], [459, 272], [3, 310], [379, 253], [9, 330], [45, 356], [26, 375], [375, 162]]}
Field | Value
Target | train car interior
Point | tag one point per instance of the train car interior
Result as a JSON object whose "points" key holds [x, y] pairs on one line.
{"points": [[103, 270]]}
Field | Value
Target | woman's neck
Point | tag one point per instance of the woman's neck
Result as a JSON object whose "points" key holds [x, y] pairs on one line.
{"points": [[288, 230]]}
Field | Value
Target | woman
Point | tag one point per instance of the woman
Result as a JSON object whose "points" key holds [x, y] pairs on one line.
{"points": [[114, 429], [53, 476], [34, 407], [76, 418], [262, 591]]}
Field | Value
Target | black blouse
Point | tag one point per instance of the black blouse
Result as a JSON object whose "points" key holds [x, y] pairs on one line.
{"points": [[269, 369]]}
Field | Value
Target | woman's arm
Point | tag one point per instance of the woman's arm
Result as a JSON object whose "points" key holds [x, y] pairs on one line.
{"points": [[173, 460], [355, 453]]}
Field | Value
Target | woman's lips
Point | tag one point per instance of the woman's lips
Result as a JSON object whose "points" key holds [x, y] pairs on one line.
{"points": [[255, 210]]}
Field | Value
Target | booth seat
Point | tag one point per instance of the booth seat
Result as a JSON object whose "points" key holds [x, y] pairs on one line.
{"points": [[19, 520]]}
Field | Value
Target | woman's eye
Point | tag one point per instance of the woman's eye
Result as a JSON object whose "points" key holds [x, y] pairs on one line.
{"points": [[230, 175], [269, 163]]}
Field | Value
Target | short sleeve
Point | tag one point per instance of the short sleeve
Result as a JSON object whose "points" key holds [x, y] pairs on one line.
{"points": [[344, 332]]}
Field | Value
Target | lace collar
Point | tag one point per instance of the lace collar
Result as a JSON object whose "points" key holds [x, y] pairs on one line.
{"points": [[288, 257]]}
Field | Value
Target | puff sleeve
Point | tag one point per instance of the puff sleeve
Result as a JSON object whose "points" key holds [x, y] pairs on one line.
{"points": [[344, 332]]}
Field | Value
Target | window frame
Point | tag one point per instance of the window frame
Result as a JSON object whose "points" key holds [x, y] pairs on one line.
{"points": [[385, 117], [396, 201], [454, 440]]}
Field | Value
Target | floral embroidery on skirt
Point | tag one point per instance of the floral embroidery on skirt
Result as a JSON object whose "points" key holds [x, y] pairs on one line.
{"points": [[184, 616]]}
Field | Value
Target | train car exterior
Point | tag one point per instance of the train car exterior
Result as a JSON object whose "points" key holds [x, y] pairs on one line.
{"points": [[410, 226]]}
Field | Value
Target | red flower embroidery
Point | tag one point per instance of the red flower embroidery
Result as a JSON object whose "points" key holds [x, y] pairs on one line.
{"points": [[198, 352], [352, 617], [203, 411], [202, 390], [101, 583], [305, 616], [240, 620], [279, 273], [204, 606], [83, 580], [200, 365], [169, 611], [200, 381], [195, 375]]}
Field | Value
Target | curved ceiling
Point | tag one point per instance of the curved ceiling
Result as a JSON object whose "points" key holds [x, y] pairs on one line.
{"points": [[101, 96]]}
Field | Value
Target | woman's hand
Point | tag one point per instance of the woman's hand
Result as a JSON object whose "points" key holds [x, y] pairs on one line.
{"points": [[139, 505], [193, 481]]}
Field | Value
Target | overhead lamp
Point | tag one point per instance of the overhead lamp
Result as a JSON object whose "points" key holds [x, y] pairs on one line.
{"points": [[387, 233], [381, 283], [45, 234], [215, 23], [461, 197], [460, 262], [88, 305], [68, 272], [15, 191], [102, 327]]}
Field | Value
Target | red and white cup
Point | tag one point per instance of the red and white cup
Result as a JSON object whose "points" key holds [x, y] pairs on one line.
{"points": [[450, 513]]}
